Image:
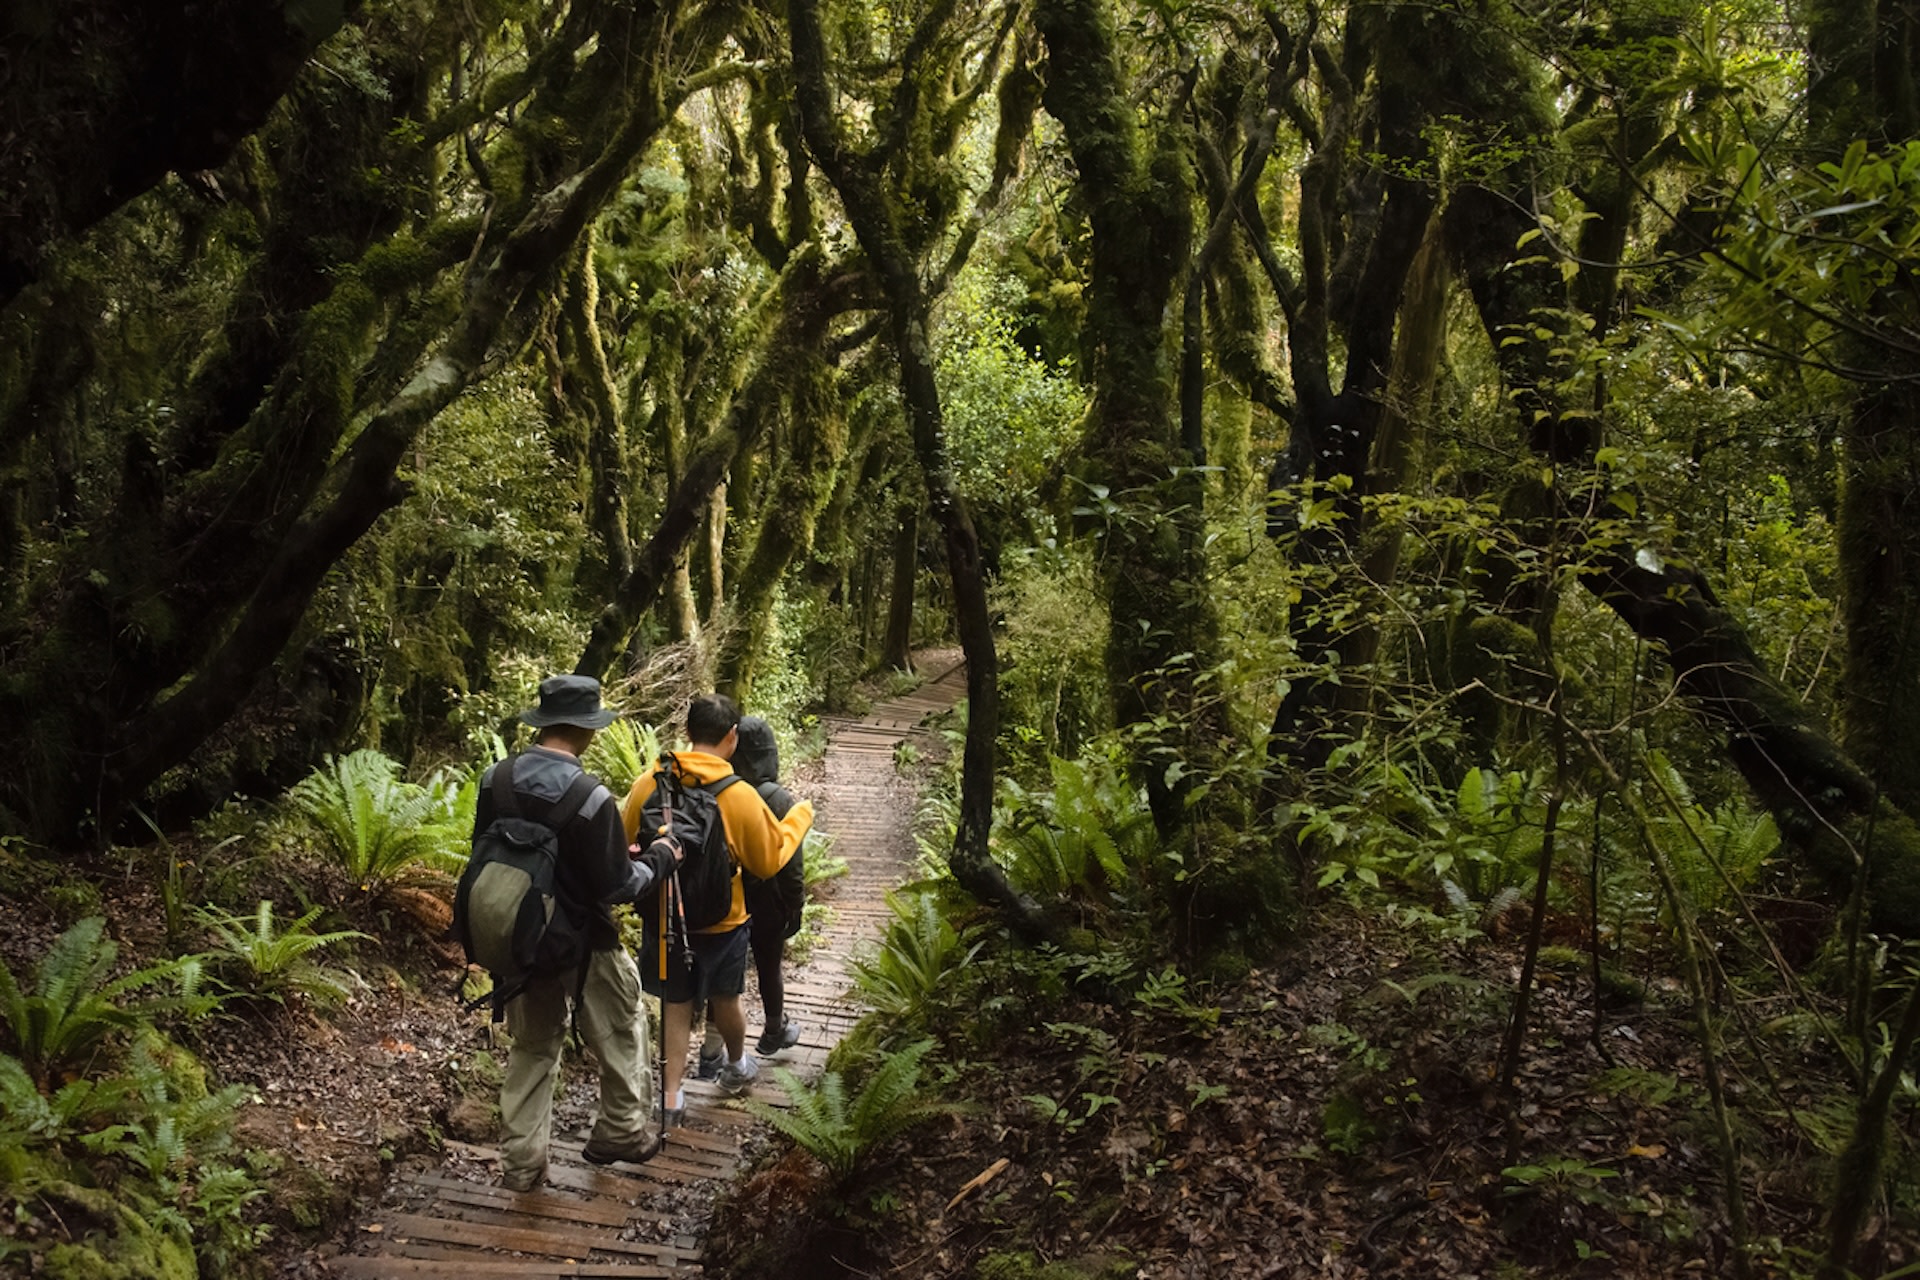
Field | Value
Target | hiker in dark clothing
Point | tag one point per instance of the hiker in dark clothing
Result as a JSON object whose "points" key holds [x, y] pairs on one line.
{"points": [[775, 904], [593, 873]]}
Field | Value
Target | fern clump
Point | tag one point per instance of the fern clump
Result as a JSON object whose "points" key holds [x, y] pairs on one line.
{"points": [[276, 964], [916, 958], [840, 1132], [74, 1006], [377, 825], [621, 752]]}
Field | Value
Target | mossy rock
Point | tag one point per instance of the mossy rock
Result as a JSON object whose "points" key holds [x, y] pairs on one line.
{"points": [[309, 1198], [135, 1249]]}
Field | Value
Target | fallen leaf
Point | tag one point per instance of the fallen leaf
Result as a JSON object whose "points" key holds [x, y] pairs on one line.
{"points": [[1653, 1152], [374, 1227], [979, 1180]]}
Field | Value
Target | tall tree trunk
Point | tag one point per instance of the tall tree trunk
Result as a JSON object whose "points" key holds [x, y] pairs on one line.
{"points": [[1826, 805], [875, 217], [897, 649], [1152, 566], [809, 295]]}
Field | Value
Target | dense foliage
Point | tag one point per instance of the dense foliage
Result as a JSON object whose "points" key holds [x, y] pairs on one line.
{"points": [[1456, 457]]}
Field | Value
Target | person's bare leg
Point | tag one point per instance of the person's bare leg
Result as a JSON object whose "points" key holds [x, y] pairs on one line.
{"points": [[730, 1016], [679, 1029]]}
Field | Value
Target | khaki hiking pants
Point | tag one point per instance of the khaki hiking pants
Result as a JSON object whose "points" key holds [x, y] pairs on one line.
{"points": [[614, 1026]]}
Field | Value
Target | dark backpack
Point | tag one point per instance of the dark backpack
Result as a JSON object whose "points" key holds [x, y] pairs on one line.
{"points": [[781, 897], [505, 913], [703, 886]]}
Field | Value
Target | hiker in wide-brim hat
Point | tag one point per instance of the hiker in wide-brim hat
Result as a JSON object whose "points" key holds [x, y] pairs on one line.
{"points": [[569, 700]]}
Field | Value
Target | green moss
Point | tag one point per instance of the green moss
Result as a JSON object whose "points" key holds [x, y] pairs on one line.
{"points": [[309, 1198], [1240, 907], [1020, 1265], [74, 899], [134, 1249]]}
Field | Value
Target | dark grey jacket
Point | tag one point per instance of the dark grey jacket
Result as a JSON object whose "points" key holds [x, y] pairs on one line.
{"points": [[593, 875]]}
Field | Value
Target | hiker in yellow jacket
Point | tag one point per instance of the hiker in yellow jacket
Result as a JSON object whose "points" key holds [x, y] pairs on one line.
{"points": [[711, 967]]}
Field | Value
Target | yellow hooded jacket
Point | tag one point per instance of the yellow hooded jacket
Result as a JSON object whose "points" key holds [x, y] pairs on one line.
{"points": [[759, 843]]}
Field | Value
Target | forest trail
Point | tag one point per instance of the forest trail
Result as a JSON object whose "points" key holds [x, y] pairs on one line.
{"points": [[631, 1220]]}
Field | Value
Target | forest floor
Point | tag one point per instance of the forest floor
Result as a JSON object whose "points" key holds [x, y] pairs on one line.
{"points": [[1333, 1116], [1329, 1114]]}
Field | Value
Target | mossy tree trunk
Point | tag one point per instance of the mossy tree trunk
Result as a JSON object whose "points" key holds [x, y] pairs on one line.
{"points": [[105, 98], [355, 325], [1359, 230], [799, 491], [875, 212], [1135, 186], [1865, 86], [896, 650], [1825, 802]]}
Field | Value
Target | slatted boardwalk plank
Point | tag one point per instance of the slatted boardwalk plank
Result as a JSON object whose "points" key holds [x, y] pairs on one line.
{"points": [[457, 1223]]}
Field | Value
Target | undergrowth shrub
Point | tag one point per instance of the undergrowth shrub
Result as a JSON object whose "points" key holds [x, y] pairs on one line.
{"points": [[1053, 681], [113, 1151], [74, 1007], [379, 827], [841, 1130], [621, 752], [276, 964], [907, 977], [1089, 833]]}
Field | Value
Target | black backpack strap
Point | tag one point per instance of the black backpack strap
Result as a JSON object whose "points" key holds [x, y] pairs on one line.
{"points": [[715, 788], [505, 803], [571, 800]]}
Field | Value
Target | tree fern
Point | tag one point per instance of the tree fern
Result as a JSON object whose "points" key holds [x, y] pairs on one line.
{"points": [[841, 1134], [377, 825], [275, 963], [74, 1007]]}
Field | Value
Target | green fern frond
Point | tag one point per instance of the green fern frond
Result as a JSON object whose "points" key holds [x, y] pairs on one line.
{"points": [[276, 962], [71, 1010], [839, 1134], [621, 752], [914, 959], [377, 825]]}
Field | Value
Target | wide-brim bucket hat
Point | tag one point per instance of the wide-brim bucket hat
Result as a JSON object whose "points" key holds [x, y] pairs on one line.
{"points": [[573, 700]]}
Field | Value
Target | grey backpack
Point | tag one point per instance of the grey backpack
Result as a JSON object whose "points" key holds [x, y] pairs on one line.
{"points": [[505, 914]]}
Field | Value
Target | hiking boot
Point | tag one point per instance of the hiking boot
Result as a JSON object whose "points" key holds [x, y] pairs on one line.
{"points": [[774, 1039], [708, 1067], [523, 1179], [635, 1150], [736, 1078]]}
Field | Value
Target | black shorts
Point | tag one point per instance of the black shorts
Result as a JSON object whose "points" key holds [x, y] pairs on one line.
{"points": [[714, 965]]}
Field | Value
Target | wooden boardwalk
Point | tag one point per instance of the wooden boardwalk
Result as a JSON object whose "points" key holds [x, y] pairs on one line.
{"points": [[625, 1220]]}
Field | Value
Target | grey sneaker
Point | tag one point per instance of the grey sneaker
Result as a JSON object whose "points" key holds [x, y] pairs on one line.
{"points": [[736, 1079], [774, 1039], [708, 1067]]}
